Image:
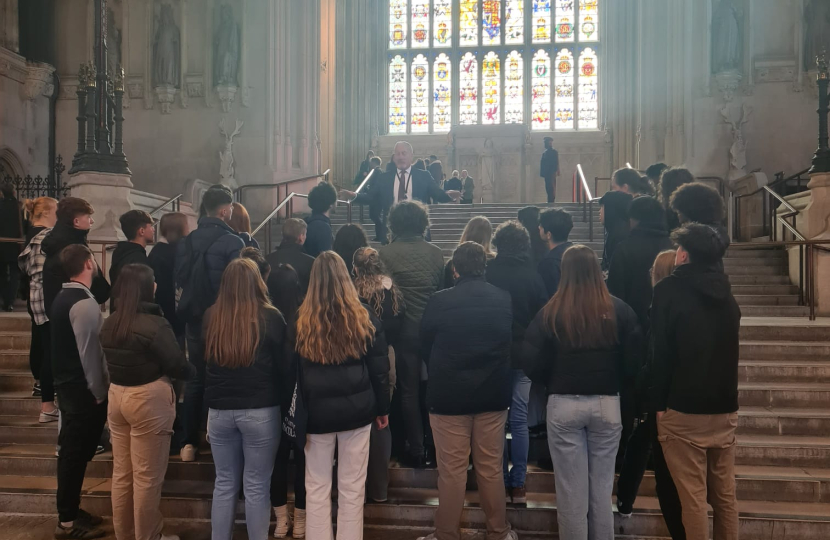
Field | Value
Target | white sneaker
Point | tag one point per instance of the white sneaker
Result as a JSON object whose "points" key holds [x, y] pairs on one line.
{"points": [[430, 536], [188, 453], [46, 417], [299, 524], [283, 521], [511, 535]]}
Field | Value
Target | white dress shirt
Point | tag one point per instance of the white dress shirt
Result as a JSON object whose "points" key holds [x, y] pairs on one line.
{"points": [[407, 178]]}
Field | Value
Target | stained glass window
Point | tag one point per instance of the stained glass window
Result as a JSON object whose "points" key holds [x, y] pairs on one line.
{"points": [[468, 22], [468, 90], [563, 90], [397, 95], [491, 83], [442, 22], [514, 22], [419, 100], [588, 20], [541, 21], [540, 97], [420, 23], [491, 22], [441, 109], [462, 62], [397, 24], [588, 103], [565, 21], [514, 89]]}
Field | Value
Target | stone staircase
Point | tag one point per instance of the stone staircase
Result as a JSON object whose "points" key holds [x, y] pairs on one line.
{"points": [[783, 451]]}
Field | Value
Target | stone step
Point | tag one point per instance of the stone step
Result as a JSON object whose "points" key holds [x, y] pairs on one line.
{"points": [[771, 329], [783, 451], [738, 253], [784, 350], [746, 279], [784, 394], [746, 270], [764, 289], [730, 263], [759, 371], [783, 421], [767, 299], [775, 311], [14, 359], [414, 507], [15, 340], [16, 322]]}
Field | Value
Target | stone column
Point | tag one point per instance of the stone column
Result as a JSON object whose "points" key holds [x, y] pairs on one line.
{"points": [[109, 195]]}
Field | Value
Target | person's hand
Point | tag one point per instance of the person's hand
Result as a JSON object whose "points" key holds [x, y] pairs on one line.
{"points": [[454, 195], [346, 194], [660, 415], [382, 421]]}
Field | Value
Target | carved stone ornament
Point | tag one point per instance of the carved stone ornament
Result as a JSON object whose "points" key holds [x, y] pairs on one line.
{"points": [[166, 95], [135, 90], [772, 70], [38, 81], [195, 89], [728, 84], [227, 95], [246, 96]]}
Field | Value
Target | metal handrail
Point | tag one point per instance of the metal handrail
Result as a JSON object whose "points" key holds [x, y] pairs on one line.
{"points": [[791, 214], [357, 192], [238, 192], [168, 201], [365, 180], [587, 202], [771, 184], [275, 212]]}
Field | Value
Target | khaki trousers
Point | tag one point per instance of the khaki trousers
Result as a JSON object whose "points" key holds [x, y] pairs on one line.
{"points": [[700, 452], [454, 436], [141, 424]]}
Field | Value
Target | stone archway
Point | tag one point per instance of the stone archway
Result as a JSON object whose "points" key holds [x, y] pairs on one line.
{"points": [[10, 164]]}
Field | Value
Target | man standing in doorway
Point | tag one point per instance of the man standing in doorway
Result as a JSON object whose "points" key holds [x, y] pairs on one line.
{"points": [[550, 169]]}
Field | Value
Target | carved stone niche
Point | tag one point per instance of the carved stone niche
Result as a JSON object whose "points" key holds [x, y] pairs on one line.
{"points": [[166, 95], [772, 70], [38, 81]]}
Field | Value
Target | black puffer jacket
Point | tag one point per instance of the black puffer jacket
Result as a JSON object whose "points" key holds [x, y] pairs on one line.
{"points": [[466, 333], [54, 277], [126, 253], [259, 385], [528, 295], [162, 260], [349, 395], [149, 353], [587, 372]]}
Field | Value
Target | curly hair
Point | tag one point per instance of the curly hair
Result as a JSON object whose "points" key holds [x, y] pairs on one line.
{"points": [[698, 203], [512, 239], [409, 218], [322, 197], [670, 180], [369, 274]]}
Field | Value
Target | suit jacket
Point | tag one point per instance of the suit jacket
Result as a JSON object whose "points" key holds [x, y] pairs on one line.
{"points": [[550, 163], [424, 189]]}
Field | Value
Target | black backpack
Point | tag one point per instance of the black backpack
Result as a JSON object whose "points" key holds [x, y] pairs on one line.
{"points": [[197, 294]]}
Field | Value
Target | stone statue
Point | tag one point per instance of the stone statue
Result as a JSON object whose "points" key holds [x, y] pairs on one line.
{"points": [[166, 50], [226, 172], [816, 31], [726, 38], [113, 44], [736, 117], [226, 49]]}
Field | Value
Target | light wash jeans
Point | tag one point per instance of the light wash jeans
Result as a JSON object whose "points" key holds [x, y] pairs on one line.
{"points": [[244, 446], [516, 450], [583, 436]]}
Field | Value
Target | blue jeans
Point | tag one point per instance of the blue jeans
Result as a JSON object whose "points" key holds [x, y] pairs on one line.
{"points": [[516, 450], [244, 445], [583, 436]]}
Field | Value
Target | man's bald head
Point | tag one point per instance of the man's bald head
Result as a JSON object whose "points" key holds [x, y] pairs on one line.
{"points": [[403, 156]]}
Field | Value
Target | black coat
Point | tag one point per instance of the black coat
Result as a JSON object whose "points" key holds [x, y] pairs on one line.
{"points": [[126, 253], [550, 163], [615, 223], [11, 226], [629, 277], [260, 385], [319, 237], [550, 267], [454, 184], [149, 352], [466, 333], [695, 322], [383, 195], [54, 277], [590, 372], [162, 260], [293, 254], [528, 294], [349, 395], [392, 322]]}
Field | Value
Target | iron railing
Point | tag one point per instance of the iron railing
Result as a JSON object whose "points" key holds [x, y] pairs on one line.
{"points": [[28, 187], [778, 187]]}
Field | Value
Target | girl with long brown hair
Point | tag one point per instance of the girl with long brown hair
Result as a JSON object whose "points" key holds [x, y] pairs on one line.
{"points": [[580, 346], [478, 230], [244, 339], [142, 356], [344, 374], [43, 215]]}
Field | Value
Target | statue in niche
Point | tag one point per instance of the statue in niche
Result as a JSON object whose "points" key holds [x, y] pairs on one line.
{"points": [[226, 49], [166, 50], [226, 172], [816, 32], [736, 117], [113, 44], [726, 38]]}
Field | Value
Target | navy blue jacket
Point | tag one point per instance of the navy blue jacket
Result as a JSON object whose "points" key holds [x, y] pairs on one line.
{"points": [[466, 332], [550, 267], [424, 189], [319, 237]]}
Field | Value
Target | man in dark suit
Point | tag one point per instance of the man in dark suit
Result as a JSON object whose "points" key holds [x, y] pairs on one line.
{"points": [[405, 183], [550, 169]]}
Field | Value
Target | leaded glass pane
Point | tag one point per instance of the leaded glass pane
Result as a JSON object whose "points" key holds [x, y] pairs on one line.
{"points": [[588, 103], [514, 89], [441, 109], [468, 22], [419, 100], [397, 95], [442, 22], [468, 91], [565, 21], [491, 22], [564, 90], [541, 21], [397, 24], [540, 97], [491, 83], [420, 24], [514, 24], [588, 20]]}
